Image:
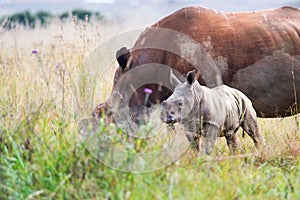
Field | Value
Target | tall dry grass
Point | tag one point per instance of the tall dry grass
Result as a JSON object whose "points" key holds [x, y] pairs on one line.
{"points": [[43, 95]]}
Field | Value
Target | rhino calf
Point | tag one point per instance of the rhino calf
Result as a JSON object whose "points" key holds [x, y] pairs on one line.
{"points": [[210, 113]]}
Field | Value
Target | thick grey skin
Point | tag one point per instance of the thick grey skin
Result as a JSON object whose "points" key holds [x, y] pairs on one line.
{"points": [[210, 113]]}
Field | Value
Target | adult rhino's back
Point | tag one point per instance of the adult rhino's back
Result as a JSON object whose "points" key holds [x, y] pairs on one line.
{"points": [[240, 38], [255, 52]]}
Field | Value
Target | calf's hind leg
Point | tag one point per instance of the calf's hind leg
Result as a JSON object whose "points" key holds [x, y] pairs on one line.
{"points": [[232, 141], [250, 126]]}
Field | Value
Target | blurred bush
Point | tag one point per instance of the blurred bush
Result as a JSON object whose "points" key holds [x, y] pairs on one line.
{"points": [[81, 14], [31, 20], [22, 18], [64, 16], [98, 16], [44, 17]]}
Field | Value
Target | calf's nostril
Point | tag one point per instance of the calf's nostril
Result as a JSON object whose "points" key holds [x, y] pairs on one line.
{"points": [[170, 119]]}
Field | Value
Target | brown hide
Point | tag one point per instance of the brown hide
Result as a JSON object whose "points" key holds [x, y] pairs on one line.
{"points": [[255, 52]]}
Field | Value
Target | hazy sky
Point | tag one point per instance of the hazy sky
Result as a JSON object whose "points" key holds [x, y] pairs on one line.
{"points": [[156, 1], [42, 1], [137, 8], [100, 1]]}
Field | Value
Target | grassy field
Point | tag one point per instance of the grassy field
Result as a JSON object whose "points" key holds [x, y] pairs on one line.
{"points": [[46, 92]]}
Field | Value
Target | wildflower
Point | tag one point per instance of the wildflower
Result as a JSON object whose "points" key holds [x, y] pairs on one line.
{"points": [[148, 91], [35, 51]]}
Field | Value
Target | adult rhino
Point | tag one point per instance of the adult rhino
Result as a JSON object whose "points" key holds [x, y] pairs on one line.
{"points": [[255, 52]]}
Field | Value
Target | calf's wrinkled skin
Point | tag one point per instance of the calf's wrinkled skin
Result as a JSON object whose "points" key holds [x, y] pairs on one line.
{"points": [[210, 113]]}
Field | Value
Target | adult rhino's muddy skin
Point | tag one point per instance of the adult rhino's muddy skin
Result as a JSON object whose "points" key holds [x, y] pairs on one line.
{"points": [[255, 52]]}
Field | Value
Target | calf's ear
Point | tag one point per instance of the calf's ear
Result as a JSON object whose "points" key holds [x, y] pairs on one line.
{"points": [[123, 56], [173, 79], [191, 77]]}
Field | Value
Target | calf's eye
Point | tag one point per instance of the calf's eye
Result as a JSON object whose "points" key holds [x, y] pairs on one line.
{"points": [[164, 104], [179, 103]]}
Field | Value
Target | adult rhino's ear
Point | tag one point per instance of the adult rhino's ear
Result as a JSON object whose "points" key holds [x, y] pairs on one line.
{"points": [[123, 56], [191, 77], [173, 79]]}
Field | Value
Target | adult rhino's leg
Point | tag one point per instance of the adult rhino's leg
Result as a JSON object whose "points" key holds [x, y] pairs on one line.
{"points": [[103, 110], [250, 126]]}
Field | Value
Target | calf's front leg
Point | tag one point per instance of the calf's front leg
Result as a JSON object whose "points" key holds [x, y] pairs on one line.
{"points": [[210, 133]]}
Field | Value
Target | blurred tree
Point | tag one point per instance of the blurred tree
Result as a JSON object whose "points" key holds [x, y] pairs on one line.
{"points": [[80, 14], [44, 17], [64, 16], [27, 19], [23, 18]]}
